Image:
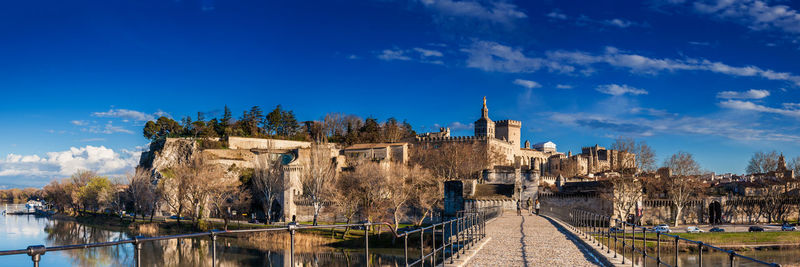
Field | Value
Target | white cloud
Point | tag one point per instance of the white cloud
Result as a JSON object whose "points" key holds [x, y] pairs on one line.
{"points": [[79, 122], [791, 105], [617, 90], [63, 163], [124, 114], [755, 14], [428, 52], [527, 84], [619, 23], [684, 125], [564, 86], [493, 10], [491, 56], [750, 106], [389, 55], [555, 14], [417, 54], [642, 64], [457, 126], [749, 94], [108, 128]]}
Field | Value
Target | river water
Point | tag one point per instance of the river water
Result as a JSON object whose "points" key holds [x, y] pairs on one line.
{"points": [[21, 231]]}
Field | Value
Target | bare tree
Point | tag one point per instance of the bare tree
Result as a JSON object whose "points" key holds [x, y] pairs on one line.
{"points": [[794, 164], [141, 192], [456, 161], [227, 196], [346, 196], [643, 153], [762, 162], [198, 180], [318, 177], [625, 193], [268, 181], [682, 183]]}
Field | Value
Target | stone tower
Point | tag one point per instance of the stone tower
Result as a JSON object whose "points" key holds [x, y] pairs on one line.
{"points": [[509, 130], [484, 126]]}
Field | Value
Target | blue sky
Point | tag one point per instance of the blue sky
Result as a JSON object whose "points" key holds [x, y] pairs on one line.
{"points": [[719, 79]]}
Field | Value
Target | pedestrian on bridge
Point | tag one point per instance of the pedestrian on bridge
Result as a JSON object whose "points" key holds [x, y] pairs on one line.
{"points": [[537, 206], [530, 206], [519, 208]]}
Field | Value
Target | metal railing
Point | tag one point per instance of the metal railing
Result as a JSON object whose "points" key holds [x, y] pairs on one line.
{"points": [[456, 235], [603, 230]]}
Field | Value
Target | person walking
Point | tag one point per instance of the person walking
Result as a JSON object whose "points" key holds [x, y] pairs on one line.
{"points": [[519, 208], [530, 207], [537, 206]]}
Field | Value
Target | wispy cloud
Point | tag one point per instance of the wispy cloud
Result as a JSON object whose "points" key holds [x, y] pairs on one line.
{"points": [[108, 128], [79, 122], [756, 15], [527, 84], [750, 106], [564, 86], [617, 90], [129, 114], [496, 11], [749, 94], [458, 126], [422, 55]]}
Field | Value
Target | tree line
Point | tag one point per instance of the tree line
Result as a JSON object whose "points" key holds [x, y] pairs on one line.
{"points": [[282, 124]]}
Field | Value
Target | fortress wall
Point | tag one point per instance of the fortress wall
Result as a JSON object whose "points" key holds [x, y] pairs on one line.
{"points": [[259, 143]]}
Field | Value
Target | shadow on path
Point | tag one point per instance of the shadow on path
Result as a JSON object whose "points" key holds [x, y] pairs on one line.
{"points": [[587, 252], [522, 241]]}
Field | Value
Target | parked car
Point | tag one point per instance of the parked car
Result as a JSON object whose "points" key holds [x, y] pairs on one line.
{"points": [[755, 229], [716, 229], [661, 228], [787, 227], [615, 230], [693, 229]]}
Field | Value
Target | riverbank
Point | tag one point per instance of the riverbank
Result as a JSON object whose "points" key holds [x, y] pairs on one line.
{"points": [[312, 239], [739, 241]]}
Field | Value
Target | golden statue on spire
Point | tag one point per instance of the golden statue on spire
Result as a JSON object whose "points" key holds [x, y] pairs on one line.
{"points": [[484, 101]]}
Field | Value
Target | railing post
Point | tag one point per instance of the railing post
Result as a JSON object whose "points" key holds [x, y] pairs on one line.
{"points": [[422, 246], [461, 235], [623, 242], [658, 249], [291, 229], [452, 251], [676, 250], [732, 257], [644, 248], [213, 249], [444, 244], [366, 242], [433, 245], [700, 253], [633, 245], [36, 253], [616, 233], [405, 248], [137, 251], [608, 234]]}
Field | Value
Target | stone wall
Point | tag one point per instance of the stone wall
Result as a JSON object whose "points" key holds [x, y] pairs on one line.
{"points": [[258, 143]]}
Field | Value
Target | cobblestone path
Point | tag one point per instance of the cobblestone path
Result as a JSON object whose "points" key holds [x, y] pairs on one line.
{"points": [[530, 241]]}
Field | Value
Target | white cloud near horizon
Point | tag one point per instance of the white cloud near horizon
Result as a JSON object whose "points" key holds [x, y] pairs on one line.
{"points": [[749, 94], [527, 84], [618, 90], [104, 161]]}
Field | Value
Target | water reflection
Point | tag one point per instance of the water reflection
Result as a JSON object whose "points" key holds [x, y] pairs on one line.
{"points": [[21, 231]]}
